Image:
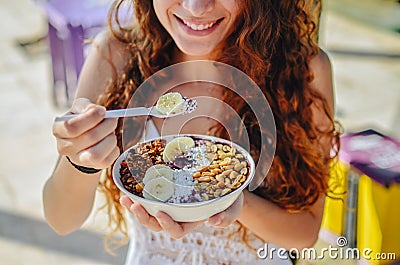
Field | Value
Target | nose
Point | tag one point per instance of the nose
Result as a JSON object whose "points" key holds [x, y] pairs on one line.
{"points": [[198, 7]]}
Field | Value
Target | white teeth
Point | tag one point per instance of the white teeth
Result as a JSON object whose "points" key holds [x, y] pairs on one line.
{"points": [[198, 27]]}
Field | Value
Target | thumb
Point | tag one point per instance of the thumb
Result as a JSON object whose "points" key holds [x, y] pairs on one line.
{"points": [[81, 105]]}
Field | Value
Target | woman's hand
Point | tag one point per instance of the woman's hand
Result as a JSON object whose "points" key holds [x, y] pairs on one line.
{"points": [[89, 139], [163, 221], [230, 215]]}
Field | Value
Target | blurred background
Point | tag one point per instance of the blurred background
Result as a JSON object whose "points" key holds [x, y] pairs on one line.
{"points": [[362, 38]]}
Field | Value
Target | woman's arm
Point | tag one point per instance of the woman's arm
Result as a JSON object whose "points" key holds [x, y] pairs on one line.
{"points": [[274, 224], [88, 140]]}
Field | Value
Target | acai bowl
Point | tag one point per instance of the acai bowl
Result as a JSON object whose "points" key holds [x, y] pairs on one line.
{"points": [[190, 177]]}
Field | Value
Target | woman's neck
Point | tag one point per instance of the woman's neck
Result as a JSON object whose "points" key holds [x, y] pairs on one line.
{"points": [[180, 57]]}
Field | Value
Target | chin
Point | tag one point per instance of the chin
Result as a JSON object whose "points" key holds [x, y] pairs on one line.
{"points": [[196, 51]]}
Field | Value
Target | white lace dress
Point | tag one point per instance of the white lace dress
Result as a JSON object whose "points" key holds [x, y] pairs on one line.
{"points": [[206, 245]]}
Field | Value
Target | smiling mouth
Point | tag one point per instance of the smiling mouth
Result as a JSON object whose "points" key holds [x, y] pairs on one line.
{"points": [[199, 26]]}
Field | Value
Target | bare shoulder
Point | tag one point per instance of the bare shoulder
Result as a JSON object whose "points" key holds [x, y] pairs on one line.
{"points": [[110, 48], [107, 56], [321, 67], [322, 83], [321, 59]]}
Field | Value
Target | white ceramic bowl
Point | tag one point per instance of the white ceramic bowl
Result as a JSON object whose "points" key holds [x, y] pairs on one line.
{"points": [[188, 212]]}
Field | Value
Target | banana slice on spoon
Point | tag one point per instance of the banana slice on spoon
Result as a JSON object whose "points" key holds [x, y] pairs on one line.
{"points": [[170, 103], [173, 103]]}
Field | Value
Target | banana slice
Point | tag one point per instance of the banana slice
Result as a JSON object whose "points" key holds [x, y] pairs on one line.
{"points": [[160, 189], [158, 171], [148, 196], [176, 147], [170, 103]]}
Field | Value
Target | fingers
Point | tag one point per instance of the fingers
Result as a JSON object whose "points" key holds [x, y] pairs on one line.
{"points": [[145, 218], [161, 221], [100, 155], [140, 213], [78, 125], [227, 217], [87, 139], [111, 157], [97, 153], [174, 229], [125, 201]]}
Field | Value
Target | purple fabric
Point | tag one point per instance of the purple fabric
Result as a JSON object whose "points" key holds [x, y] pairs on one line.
{"points": [[374, 154], [77, 13]]}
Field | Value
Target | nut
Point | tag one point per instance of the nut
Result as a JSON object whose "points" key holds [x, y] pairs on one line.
{"points": [[227, 159], [228, 167], [205, 197], [226, 148], [204, 179], [217, 193], [224, 163], [203, 185], [227, 172], [216, 171], [220, 177], [236, 185], [225, 191], [214, 166], [233, 150], [235, 161], [238, 167], [197, 174], [243, 178], [207, 174], [227, 182], [221, 154], [139, 187], [220, 184], [233, 175], [203, 169]]}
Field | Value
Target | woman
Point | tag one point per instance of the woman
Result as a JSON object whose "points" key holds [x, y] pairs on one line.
{"points": [[270, 41]]}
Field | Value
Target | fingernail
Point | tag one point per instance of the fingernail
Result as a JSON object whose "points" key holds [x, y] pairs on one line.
{"points": [[101, 111]]}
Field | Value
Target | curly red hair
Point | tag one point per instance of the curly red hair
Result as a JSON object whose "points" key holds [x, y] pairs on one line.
{"points": [[273, 43]]}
